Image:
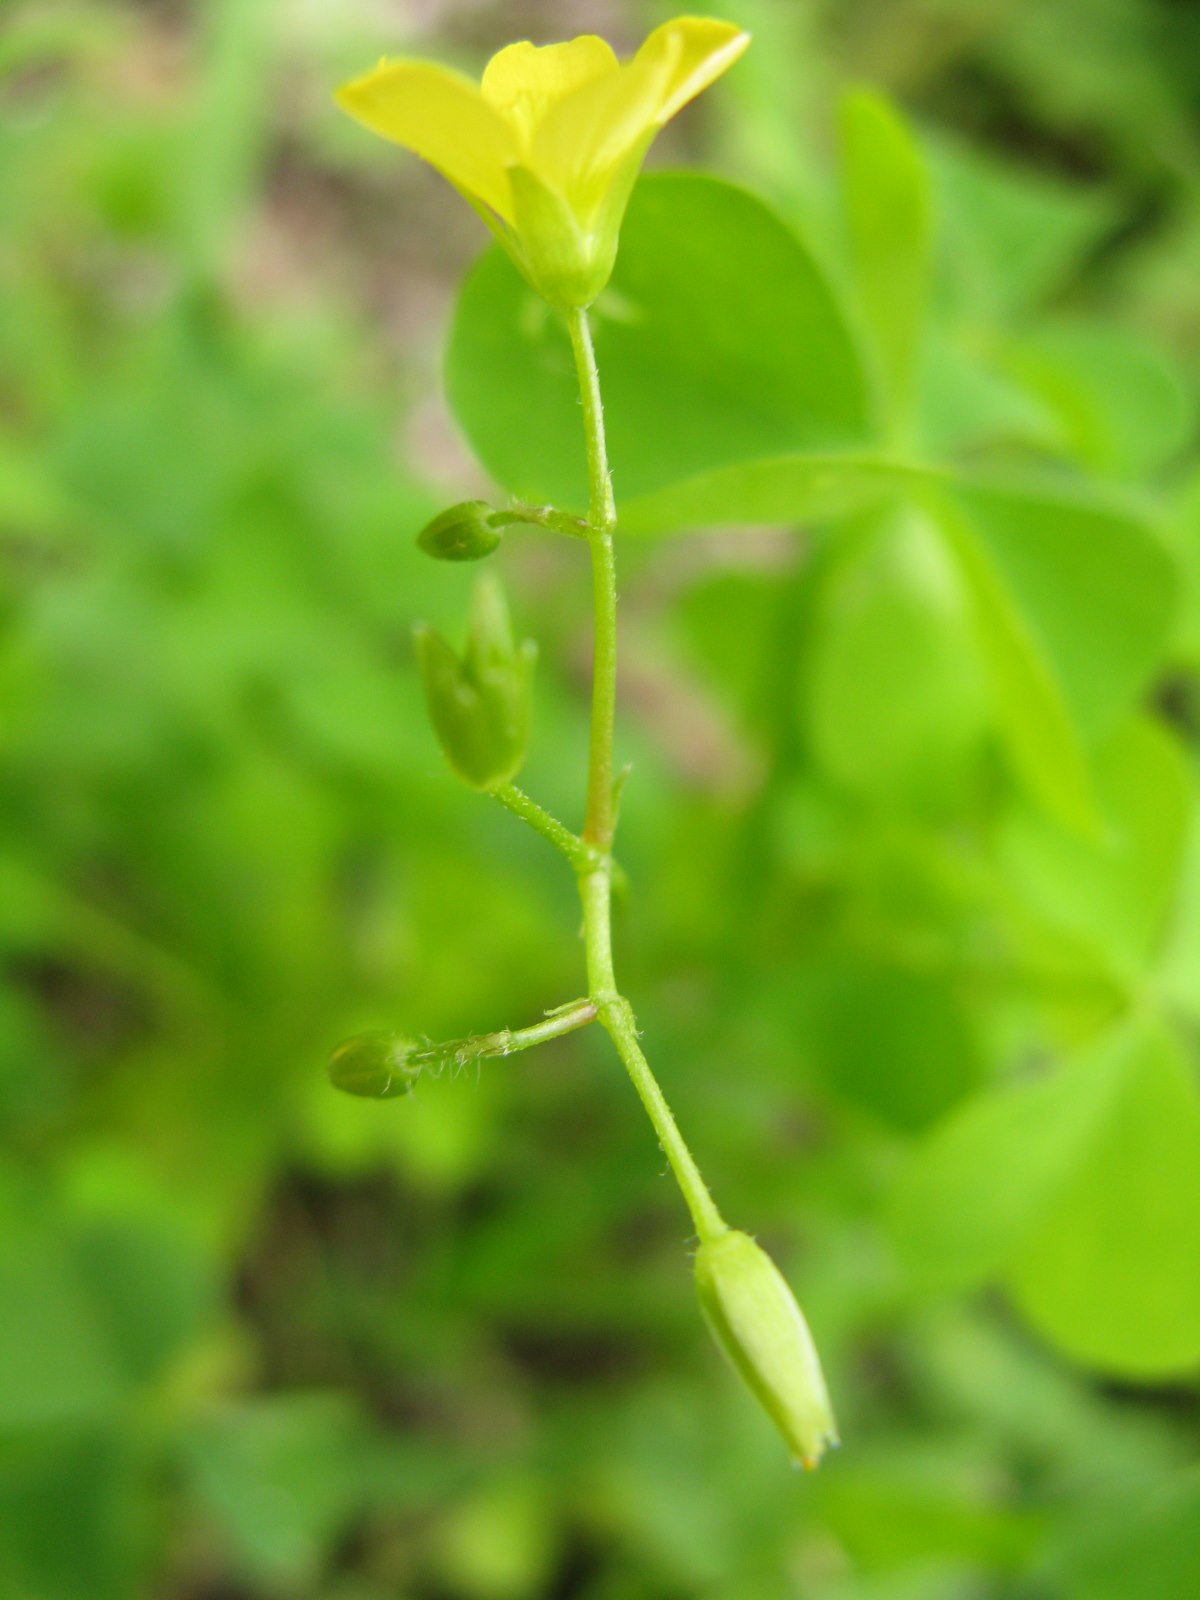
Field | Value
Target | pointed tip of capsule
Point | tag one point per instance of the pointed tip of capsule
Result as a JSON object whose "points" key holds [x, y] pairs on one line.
{"points": [[811, 1461]]}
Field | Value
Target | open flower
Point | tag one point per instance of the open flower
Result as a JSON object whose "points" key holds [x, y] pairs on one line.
{"points": [[548, 145]]}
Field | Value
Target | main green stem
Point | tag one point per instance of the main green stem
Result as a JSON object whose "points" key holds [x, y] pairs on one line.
{"points": [[595, 877]]}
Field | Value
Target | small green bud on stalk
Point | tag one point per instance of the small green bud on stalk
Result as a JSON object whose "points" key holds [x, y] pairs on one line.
{"points": [[375, 1066], [757, 1323], [465, 532], [479, 703]]}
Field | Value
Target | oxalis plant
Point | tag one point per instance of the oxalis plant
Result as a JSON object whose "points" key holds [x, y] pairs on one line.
{"points": [[546, 149]]}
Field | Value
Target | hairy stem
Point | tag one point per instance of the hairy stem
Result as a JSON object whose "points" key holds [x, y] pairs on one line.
{"points": [[507, 1041], [595, 877], [602, 519], [580, 855]]}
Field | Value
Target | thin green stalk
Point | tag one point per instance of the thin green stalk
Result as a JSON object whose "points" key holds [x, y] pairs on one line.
{"points": [[506, 1041], [602, 519], [620, 1024], [580, 855], [595, 880], [540, 517]]}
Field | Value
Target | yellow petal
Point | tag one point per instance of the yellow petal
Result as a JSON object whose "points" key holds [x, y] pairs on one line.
{"points": [[694, 52], [523, 82], [590, 136], [585, 138], [442, 117]]}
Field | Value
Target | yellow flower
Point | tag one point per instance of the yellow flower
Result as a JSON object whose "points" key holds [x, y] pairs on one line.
{"points": [[547, 147]]}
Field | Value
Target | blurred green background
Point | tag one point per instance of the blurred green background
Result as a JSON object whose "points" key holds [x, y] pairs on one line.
{"points": [[914, 925]]}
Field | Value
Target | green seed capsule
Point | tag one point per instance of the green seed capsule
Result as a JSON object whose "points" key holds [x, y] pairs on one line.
{"points": [[479, 702], [374, 1066], [761, 1330], [462, 533]]}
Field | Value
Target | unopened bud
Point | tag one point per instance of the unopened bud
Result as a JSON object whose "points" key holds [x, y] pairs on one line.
{"points": [[479, 703], [463, 533], [757, 1323], [374, 1066]]}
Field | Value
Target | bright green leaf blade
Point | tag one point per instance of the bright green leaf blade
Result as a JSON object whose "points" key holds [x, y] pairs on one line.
{"points": [[1112, 1275], [1119, 403], [987, 1177], [963, 406], [280, 1476], [894, 1042], [66, 1529], [804, 488], [1113, 892], [1083, 1189], [57, 1366], [1030, 706], [1094, 582], [1184, 533], [718, 341], [1141, 1539], [1012, 235], [889, 221], [1177, 977], [894, 693]]}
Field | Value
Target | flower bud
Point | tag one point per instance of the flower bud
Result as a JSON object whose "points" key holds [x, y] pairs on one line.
{"points": [[462, 533], [757, 1323], [479, 703], [375, 1066]]}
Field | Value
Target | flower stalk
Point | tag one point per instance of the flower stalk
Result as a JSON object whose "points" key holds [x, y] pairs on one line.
{"points": [[595, 883], [546, 150]]}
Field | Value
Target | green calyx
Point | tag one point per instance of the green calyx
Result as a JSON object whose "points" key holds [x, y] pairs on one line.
{"points": [[479, 702], [472, 530], [464, 532], [566, 263], [375, 1066]]}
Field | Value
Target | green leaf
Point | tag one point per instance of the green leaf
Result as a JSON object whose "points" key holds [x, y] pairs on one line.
{"points": [[889, 219], [719, 340], [112, 1286], [986, 1177], [895, 695], [1112, 1274], [1119, 404], [1012, 235], [963, 405], [1181, 962], [1094, 582], [1113, 892], [895, 1042], [281, 1476], [68, 1515], [1143, 1539], [55, 1361], [1081, 1190], [1184, 534], [1030, 706], [1072, 596], [499, 1542], [807, 488]]}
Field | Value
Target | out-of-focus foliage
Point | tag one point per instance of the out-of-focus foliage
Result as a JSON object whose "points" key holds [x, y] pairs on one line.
{"points": [[914, 922]]}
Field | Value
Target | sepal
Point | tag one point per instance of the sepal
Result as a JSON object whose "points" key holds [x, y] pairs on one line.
{"points": [[374, 1066], [465, 532]]}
